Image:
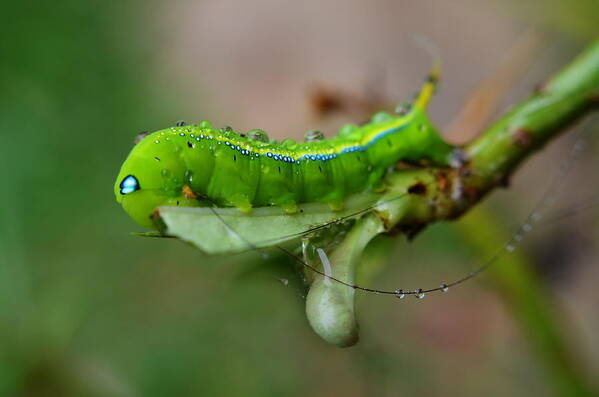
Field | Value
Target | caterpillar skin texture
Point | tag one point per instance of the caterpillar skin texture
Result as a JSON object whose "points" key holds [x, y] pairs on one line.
{"points": [[183, 164]]}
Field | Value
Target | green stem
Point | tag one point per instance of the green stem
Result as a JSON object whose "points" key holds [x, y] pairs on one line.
{"points": [[535, 121], [489, 161]]}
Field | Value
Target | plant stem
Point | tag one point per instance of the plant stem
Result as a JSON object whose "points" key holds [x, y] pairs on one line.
{"points": [[486, 162], [557, 104]]}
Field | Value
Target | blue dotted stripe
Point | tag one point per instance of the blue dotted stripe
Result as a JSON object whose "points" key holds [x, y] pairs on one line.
{"points": [[311, 156], [353, 149]]}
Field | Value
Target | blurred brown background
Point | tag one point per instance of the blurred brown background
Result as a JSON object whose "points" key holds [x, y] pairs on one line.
{"points": [[88, 310]]}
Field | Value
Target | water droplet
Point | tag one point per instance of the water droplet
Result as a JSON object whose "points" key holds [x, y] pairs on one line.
{"points": [[347, 130], [381, 117], [518, 237], [399, 294], [444, 287], [527, 227], [258, 135], [403, 108], [510, 247], [205, 124], [313, 136], [420, 294]]}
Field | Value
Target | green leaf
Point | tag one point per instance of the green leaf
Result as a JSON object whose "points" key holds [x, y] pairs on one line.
{"points": [[228, 230]]}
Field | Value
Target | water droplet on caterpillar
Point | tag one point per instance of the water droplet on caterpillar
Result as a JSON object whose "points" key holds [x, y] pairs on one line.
{"points": [[313, 136], [288, 142], [381, 117], [205, 124], [347, 130], [258, 135], [403, 108]]}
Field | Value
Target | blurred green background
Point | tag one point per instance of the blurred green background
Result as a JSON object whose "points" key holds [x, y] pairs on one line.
{"points": [[86, 309]]}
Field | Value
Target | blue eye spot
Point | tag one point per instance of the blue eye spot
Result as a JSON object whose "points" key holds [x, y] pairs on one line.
{"points": [[129, 184]]}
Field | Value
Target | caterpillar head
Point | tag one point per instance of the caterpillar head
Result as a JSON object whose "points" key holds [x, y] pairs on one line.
{"points": [[153, 175]]}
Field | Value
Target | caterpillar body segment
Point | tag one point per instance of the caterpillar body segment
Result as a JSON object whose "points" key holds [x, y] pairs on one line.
{"points": [[183, 164]]}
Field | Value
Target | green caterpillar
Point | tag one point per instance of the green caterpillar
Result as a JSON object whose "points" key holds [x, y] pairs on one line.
{"points": [[189, 165]]}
